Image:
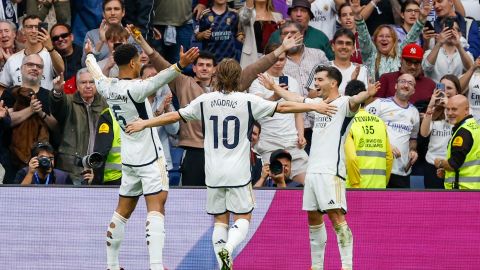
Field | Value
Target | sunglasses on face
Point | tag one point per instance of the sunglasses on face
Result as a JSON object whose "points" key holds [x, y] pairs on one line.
{"points": [[63, 36]]}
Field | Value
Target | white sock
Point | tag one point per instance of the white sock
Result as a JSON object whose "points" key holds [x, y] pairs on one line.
{"points": [[155, 233], [115, 232], [236, 234], [219, 239], [345, 244], [318, 240]]}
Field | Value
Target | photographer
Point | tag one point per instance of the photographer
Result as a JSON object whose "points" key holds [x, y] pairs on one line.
{"points": [[40, 170], [277, 173]]}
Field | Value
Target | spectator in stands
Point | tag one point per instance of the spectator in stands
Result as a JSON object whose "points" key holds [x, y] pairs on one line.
{"points": [[325, 15], [41, 168], [445, 11], [300, 62], [411, 63], [470, 85], [461, 168], [403, 122], [343, 47], [436, 127], [218, 30], [409, 11], [113, 12], [8, 10], [378, 12], [138, 13], [41, 8], [300, 13], [278, 171], [187, 89], [77, 117], [38, 42], [114, 36], [86, 15], [62, 39], [259, 21], [368, 155], [346, 19], [5, 162], [255, 158], [381, 54], [31, 118], [282, 131], [448, 56], [8, 33]]}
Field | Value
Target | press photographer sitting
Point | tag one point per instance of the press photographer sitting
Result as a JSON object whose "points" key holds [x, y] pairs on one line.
{"points": [[40, 170], [277, 173]]}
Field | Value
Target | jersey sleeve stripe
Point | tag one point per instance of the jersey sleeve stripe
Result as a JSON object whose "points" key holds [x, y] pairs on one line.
{"points": [[141, 109], [183, 119], [250, 121], [274, 111], [203, 119]]}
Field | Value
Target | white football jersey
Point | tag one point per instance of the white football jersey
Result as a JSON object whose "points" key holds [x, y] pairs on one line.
{"points": [[227, 121], [128, 101], [474, 96], [325, 17], [441, 132], [402, 125], [327, 153]]}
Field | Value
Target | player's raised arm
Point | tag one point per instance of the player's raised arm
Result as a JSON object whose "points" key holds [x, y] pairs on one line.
{"points": [[361, 97], [162, 120], [296, 107], [92, 64]]}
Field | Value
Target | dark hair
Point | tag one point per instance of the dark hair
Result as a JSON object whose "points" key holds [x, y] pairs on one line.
{"points": [[346, 4], [205, 55], [354, 87], [332, 73], [290, 23], [344, 32], [271, 47], [116, 31], [69, 28], [404, 5], [31, 17], [142, 70], [256, 124], [41, 146], [454, 79], [105, 2], [124, 54]]}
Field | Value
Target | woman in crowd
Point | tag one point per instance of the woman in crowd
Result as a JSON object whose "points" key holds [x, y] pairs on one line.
{"points": [[259, 21], [435, 126], [345, 16], [382, 54], [409, 11]]}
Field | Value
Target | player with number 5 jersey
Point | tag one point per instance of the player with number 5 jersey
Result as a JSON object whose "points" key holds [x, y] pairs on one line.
{"points": [[227, 116]]}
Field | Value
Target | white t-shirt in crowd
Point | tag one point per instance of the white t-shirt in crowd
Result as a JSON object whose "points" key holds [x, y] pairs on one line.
{"points": [[441, 132], [11, 73], [474, 96], [325, 18], [280, 127], [327, 153], [227, 124], [402, 125], [346, 76]]}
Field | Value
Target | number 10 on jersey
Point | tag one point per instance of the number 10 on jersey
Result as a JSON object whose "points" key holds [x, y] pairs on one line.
{"points": [[224, 131]]}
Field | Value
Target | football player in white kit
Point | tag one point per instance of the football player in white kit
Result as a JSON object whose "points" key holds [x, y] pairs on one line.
{"points": [[324, 191], [227, 116], [143, 163]]}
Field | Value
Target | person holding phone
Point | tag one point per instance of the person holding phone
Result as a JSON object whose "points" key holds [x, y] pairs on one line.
{"points": [[436, 127], [449, 55]]}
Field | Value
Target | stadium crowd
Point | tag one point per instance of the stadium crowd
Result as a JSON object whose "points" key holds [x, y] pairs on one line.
{"points": [[423, 57]]}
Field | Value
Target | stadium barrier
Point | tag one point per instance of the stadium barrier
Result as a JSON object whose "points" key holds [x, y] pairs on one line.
{"points": [[64, 228]]}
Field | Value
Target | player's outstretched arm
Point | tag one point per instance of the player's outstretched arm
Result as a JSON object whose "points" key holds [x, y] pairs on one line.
{"points": [[361, 97], [295, 107], [268, 83], [162, 120], [93, 66]]}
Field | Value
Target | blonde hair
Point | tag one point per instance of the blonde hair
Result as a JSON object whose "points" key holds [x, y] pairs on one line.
{"points": [[393, 51], [227, 75]]}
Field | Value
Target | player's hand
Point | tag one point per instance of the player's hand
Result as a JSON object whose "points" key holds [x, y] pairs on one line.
{"points": [[135, 126], [266, 81], [373, 88], [188, 57], [291, 41], [325, 108], [88, 48], [396, 153]]}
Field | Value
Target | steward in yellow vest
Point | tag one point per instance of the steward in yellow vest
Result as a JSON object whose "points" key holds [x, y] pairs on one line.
{"points": [[462, 166], [107, 143]]}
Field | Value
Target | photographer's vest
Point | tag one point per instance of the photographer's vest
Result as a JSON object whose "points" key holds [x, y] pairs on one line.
{"points": [[113, 164], [468, 175], [370, 139]]}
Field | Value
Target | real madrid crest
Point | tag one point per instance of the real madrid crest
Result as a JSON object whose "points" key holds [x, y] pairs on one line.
{"points": [[325, 7], [229, 21], [210, 18]]}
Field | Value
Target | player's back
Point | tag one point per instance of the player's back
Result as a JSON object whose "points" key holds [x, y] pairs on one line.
{"points": [[227, 121]]}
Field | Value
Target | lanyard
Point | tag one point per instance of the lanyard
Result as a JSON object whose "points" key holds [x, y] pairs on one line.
{"points": [[37, 180]]}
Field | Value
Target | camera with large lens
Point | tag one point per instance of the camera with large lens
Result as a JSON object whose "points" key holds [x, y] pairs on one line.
{"points": [[44, 163], [276, 167], [92, 161]]}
